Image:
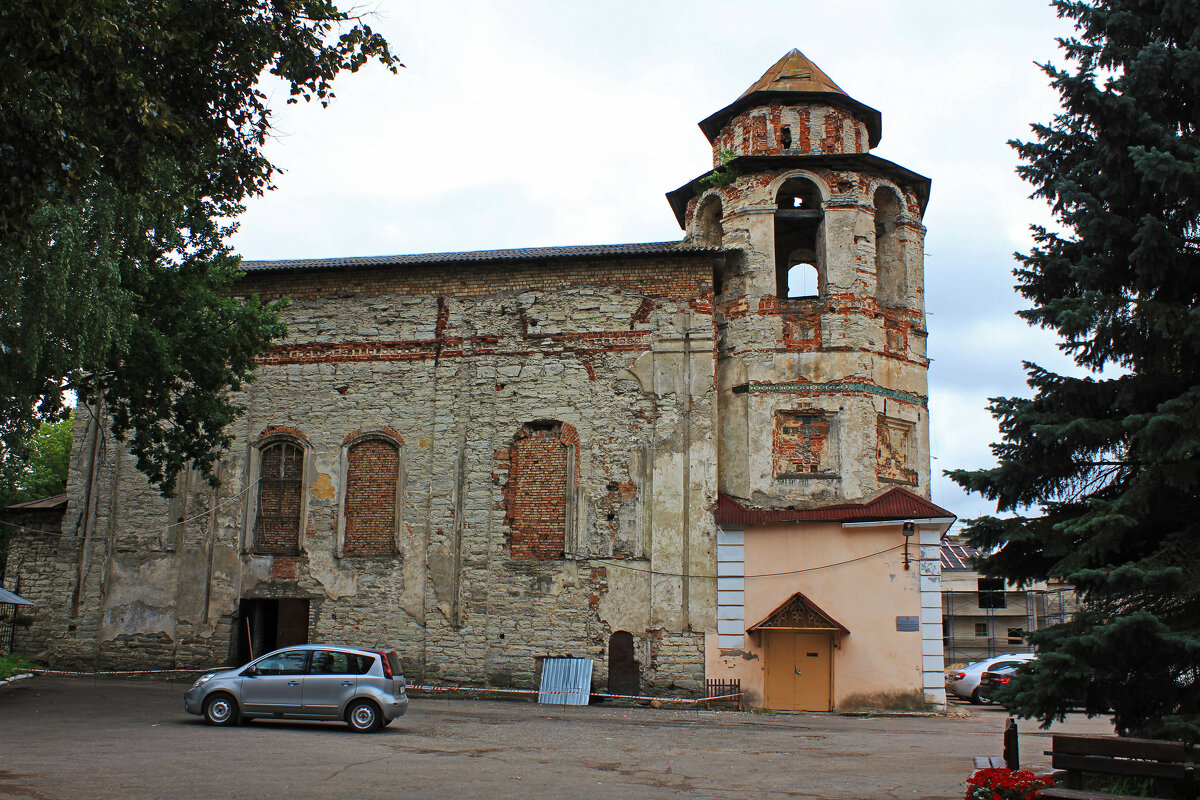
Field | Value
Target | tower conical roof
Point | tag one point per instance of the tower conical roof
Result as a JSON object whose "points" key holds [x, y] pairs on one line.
{"points": [[795, 78], [794, 73]]}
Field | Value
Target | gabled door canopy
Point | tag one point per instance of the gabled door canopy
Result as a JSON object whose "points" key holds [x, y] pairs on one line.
{"points": [[798, 613]]}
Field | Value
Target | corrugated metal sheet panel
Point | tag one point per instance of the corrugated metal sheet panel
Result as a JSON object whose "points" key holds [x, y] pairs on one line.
{"points": [[9, 598], [894, 504], [521, 254], [566, 681]]}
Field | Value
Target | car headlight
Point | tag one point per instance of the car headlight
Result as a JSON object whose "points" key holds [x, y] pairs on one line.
{"points": [[203, 679]]}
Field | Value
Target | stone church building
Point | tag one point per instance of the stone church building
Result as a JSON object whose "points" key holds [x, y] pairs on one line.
{"points": [[692, 460]]}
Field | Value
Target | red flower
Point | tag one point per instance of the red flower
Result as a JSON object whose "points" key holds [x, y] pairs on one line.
{"points": [[1004, 784]]}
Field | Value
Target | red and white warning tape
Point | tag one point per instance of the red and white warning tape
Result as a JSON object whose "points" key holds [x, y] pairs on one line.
{"points": [[412, 687], [419, 687], [96, 673]]}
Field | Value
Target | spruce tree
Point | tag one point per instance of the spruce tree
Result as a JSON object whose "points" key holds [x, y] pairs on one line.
{"points": [[1102, 472]]}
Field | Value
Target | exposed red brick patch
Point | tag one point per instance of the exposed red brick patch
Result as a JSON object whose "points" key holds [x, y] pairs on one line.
{"points": [[372, 474], [642, 313], [281, 430], [802, 332], [383, 429], [801, 443], [535, 497]]}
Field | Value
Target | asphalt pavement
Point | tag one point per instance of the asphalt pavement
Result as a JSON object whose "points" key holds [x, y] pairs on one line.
{"points": [[100, 739]]}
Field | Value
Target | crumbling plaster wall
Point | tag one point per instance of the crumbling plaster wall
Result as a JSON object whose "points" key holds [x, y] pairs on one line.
{"points": [[452, 361], [841, 354]]}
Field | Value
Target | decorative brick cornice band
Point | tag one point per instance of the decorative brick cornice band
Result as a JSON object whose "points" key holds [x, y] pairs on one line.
{"points": [[835, 387], [424, 349]]}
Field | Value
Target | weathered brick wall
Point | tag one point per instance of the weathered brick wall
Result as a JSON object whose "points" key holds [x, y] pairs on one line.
{"points": [[801, 129], [37, 569], [452, 362]]}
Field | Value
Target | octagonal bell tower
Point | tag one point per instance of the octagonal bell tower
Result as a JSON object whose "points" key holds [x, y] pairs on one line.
{"points": [[820, 304]]}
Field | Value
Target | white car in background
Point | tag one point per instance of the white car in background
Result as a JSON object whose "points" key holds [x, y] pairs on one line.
{"points": [[964, 682]]}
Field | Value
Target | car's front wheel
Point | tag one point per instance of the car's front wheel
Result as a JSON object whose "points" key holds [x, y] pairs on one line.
{"points": [[363, 716], [220, 709]]}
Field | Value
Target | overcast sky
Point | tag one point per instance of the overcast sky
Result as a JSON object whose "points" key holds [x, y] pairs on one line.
{"points": [[523, 124]]}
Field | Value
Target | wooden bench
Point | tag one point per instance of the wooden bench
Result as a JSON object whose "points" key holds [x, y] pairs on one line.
{"points": [[1171, 765], [1012, 755]]}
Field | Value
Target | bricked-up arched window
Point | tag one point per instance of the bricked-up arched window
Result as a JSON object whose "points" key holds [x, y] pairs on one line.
{"points": [[277, 524], [372, 478], [891, 280], [541, 482]]}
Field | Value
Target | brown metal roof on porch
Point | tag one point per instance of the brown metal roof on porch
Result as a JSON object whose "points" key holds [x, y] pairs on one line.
{"points": [[894, 504], [56, 503]]}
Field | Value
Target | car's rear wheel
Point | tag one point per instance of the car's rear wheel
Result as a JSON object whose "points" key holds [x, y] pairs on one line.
{"points": [[979, 699], [363, 717], [220, 709]]}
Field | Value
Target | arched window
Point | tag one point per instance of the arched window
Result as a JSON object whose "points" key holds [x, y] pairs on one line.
{"points": [[803, 281], [891, 279], [372, 485], [280, 492], [541, 483], [798, 218]]}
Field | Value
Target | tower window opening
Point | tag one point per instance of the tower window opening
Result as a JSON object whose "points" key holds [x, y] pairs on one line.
{"points": [[785, 137], [803, 281], [799, 251]]}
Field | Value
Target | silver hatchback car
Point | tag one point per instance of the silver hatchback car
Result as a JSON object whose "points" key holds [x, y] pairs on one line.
{"points": [[365, 688]]}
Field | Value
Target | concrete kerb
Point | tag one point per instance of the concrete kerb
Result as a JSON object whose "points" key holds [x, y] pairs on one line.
{"points": [[15, 678]]}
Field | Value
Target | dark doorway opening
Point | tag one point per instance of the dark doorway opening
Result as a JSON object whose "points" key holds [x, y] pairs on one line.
{"points": [[623, 673], [268, 624]]}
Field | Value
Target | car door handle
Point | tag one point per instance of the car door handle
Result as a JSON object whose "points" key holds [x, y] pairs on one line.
{"points": [[347, 683], [798, 672], [293, 683]]}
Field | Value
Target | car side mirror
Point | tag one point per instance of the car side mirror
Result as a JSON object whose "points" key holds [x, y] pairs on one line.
{"points": [[250, 672]]}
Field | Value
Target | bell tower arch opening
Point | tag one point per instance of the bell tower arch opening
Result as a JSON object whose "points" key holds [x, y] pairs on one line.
{"points": [[799, 254]]}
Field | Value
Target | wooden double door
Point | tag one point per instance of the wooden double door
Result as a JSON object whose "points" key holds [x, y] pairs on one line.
{"points": [[799, 671]]}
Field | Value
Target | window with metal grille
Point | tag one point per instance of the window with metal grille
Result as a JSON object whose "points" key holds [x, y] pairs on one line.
{"points": [[277, 525]]}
